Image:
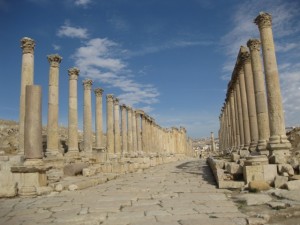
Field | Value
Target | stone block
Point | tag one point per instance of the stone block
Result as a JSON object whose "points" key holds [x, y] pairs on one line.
{"points": [[244, 153], [233, 168], [235, 157], [74, 169], [280, 181], [285, 168], [293, 185], [260, 172], [258, 185]]}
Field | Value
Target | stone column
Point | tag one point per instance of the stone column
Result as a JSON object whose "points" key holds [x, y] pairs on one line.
{"points": [[99, 122], [110, 139], [245, 111], [53, 140], [245, 58], [87, 117], [73, 113], [124, 128], [144, 135], [260, 97], [134, 130], [240, 113], [27, 44], [278, 143], [233, 126], [33, 126], [139, 130], [237, 125], [129, 129], [117, 127]]}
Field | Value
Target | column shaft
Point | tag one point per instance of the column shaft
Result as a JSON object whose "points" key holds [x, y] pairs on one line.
{"points": [[87, 117], [117, 127], [110, 124], [98, 119], [124, 128]]}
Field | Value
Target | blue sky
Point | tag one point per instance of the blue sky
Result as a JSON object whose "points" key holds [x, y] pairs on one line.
{"points": [[172, 58]]}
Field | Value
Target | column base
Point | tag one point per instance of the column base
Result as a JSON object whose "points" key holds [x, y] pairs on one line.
{"points": [[279, 152], [27, 191], [253, 147], [33, 162], [72, 153], [53, 153]]}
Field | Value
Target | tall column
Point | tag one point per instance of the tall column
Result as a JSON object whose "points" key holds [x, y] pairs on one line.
{"points": [[240, 114], [33, 125], [117, 127], [245, 58], [144, 133], [87, 117], [139, 130], [124, 128], [110, 124], [27, 44], [73, 113], [278, 143], [99, 123], [245, 110], [233, 127], [129, 130], [52, 125], [260, 97], [134, 130], [236, 112]]}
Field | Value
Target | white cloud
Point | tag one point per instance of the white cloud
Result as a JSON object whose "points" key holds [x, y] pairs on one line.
{"points": [[56, 47], [97, 60], [82, 2], [73, 32]]}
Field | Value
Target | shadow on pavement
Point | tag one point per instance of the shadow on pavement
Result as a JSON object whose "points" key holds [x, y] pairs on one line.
{"points": [[198, 167]]}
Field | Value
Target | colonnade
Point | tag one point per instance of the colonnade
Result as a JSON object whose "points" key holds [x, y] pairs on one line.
{"points": [[129, 132], [252, 117]]}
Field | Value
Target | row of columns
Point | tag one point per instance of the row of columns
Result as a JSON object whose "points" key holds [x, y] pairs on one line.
{"points": [[128, 130], [252, 116]]}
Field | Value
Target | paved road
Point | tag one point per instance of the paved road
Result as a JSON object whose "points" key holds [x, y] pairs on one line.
{"points": [[182, 193]]}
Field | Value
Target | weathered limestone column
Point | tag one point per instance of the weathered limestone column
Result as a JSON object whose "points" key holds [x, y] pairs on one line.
{"points": [[228, 126], [110, 139], [129, 130], [144, 133], [237, 125], [33, 126], [73, 113], [139, 114], [53, 140], [240, 114], [87, 117], [260, 97], [99, 123], [117, 127], [27, 44], [134, 130], [124, 128], [245, 57], [233, 126], [278, 143], [245, 110], [212, 142]]}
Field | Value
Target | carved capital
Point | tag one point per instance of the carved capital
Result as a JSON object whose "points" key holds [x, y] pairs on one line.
{"points": [[140, 112], [109, 97], [27, 44], [245, 57], [123, 107], [263, 20], [98, 92], [116, 101], [87, 84], [253, 45], [73, 73], [54, 60]]}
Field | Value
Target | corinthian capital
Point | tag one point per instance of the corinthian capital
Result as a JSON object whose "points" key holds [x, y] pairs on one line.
{"points": [[253, 44], [27, 44], [73, 73], [54, 60], [110, 97], [116, 101], [87, 84], [98, 92], [263, 20], [245, 57]]}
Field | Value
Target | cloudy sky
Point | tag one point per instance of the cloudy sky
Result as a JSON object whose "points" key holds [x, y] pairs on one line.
{"points": [[172, 58]]}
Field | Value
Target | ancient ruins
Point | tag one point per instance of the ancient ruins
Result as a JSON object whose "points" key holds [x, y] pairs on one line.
{"points": [[133, 140], [252, 127]]}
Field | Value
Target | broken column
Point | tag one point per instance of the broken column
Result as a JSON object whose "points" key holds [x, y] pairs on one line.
{"points": [[98, 118], [27, 44], [278, 143], [87, 117], [73, 113], [53, 140]]}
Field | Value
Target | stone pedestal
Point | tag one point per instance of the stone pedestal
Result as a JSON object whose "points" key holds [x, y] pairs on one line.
{"points": [[27, 45], [53, 140]]}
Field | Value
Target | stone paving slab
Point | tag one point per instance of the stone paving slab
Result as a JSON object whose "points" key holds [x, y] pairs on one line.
{"points": [[182, 193]]}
